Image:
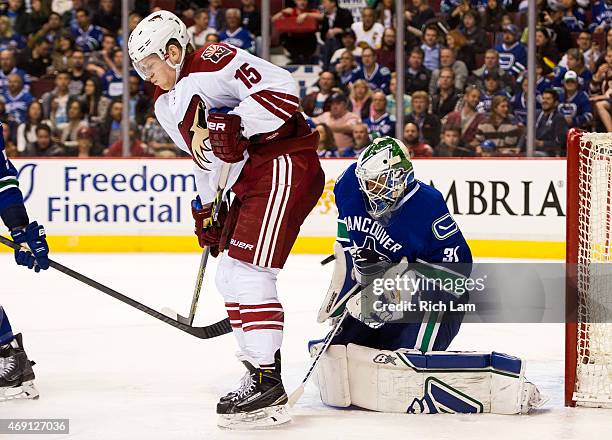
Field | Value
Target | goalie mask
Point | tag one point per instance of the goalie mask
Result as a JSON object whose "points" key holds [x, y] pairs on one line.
{"points": [[384, 171], [151, 37]]}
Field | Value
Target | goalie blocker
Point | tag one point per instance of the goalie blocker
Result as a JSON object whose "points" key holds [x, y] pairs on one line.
{"points": [[408, 381]]}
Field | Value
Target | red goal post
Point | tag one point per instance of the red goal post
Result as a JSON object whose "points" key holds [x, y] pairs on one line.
{"points": [[588, 329]]}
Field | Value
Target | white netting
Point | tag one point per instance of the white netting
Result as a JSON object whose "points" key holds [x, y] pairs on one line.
{"points": [[594, 360]]}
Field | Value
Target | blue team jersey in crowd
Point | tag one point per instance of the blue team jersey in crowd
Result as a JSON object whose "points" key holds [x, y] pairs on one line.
{"points": [[326, 154], [513, 59], [542, 84], [421, 228], [601, 13], [584, 78], [578, 107], [447, 6], [240, 38], [486, 99], [518, 104], [14, 42], [383, 125], [112, 83], [378, 80], [575, 22], [4, 78], [346, 77], [88, 40], [17, 106]]}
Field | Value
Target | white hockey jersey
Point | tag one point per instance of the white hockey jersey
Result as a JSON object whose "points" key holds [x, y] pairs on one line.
{"points": [[217, 77]]}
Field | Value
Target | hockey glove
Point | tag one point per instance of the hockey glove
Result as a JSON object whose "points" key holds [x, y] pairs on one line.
{"points": [[34, 237], [380, 303], [225, 136], [208, 233]]}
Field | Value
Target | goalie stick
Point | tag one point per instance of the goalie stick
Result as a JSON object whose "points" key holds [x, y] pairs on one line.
{"points": [[295, 395], [210, 331], [223, 176]]}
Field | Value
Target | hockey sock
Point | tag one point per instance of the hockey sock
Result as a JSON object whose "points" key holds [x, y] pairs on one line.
{"points": [[263, 330], [233, 312], [6, 332]]}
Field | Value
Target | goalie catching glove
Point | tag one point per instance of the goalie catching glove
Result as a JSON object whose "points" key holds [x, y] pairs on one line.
{"points": [[371, 305], [207, 231], [225, 134]]}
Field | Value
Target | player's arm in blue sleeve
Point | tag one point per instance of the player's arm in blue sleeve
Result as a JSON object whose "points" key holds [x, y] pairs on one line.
{"points": [[447, 256], [15, 217], [12, 210]]}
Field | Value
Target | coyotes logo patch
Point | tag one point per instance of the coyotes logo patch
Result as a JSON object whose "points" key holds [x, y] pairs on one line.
{"points": [[216, 52], [194, 130]]}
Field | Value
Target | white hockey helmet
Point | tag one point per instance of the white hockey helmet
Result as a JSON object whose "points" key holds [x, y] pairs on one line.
{"points": [[151, 37]]}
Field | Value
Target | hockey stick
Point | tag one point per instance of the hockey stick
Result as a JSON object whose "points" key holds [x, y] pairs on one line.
{"points": [[210, 331], [328, 259], [223, 176], [295, 396]]}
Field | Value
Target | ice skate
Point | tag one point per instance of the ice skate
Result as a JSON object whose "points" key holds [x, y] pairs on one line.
{"points": [[258, 403], [16, 374]]}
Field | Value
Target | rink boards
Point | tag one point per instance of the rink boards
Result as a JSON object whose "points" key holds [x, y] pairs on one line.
{"points": [[505, 207]]}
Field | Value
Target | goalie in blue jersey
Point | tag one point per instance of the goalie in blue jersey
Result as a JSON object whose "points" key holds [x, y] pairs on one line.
{"points": [[392, 226], [387, 217], [16, 375]]}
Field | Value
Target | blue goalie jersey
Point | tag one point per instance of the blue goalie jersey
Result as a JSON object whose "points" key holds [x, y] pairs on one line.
{"points": [[420, 229]]}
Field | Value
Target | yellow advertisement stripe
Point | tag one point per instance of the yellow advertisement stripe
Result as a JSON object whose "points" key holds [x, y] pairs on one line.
{"points": [[304, 245]]}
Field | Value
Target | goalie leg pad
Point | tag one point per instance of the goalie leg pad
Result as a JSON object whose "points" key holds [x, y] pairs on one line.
{"points": [[438, 382], [331, 375]]}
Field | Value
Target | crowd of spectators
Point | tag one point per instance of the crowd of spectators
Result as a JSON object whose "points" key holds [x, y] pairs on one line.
{"points": [[465, 76]]}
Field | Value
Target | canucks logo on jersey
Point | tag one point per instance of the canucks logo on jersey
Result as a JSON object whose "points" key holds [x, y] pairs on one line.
{"points": [[367, 260]]}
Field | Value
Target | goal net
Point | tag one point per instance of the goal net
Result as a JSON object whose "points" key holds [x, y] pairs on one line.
{"points": [[589, 269]]}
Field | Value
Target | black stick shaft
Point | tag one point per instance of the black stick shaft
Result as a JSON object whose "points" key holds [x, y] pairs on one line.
{"points": [[210, 331]]}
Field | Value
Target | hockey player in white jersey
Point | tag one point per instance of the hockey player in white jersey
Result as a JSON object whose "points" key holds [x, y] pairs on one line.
{"points": [[224, 105]]}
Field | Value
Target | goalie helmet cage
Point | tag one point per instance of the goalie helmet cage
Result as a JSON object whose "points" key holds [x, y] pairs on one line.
{"points": [[588, 329]]}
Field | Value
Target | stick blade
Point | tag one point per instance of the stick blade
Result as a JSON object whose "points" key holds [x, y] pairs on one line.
{"points": [[295, 396]]}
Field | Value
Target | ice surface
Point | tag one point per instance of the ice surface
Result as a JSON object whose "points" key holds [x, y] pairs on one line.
{"points": [[117, 373]]}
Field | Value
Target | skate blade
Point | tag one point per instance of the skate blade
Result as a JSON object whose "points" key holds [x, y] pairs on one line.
{"points": [[26, 390], [260, 419]]}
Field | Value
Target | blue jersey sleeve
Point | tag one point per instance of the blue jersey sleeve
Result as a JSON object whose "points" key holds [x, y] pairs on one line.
{"points": [[12, 210], [446, 246], [447, 260]]}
